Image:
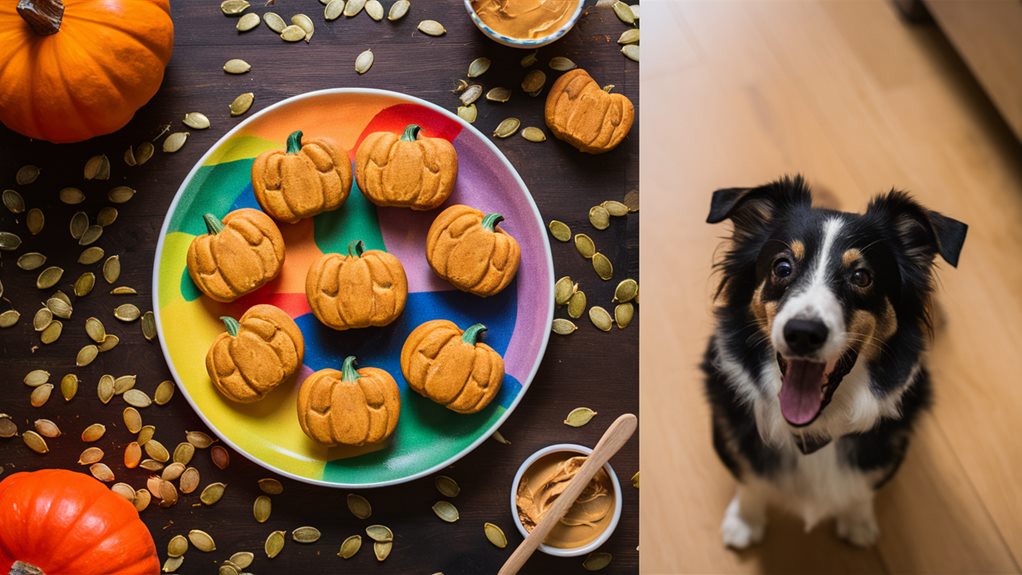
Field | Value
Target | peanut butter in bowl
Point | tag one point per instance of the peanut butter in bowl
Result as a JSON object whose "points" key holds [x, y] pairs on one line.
{"points": [[525, 23]]}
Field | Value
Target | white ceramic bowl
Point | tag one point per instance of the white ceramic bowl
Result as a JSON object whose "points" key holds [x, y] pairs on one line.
{"points": [[520, 42], [574, 551]]}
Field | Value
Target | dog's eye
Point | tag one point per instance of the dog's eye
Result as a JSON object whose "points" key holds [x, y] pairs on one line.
{"points": [[862, 278], [782, 268]]}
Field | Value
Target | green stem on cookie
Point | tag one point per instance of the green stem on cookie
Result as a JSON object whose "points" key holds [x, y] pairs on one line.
{"points": [[411, 133], [473, 333], [491, 220], [213, 224], [348, 371], [294, 142], [356, 248], [231, 324]]}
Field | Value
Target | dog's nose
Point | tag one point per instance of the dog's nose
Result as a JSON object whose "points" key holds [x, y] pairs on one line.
{"points": [[805, 336]]}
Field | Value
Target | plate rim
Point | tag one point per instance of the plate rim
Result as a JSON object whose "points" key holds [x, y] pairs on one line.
{"points": [[201, 162]]}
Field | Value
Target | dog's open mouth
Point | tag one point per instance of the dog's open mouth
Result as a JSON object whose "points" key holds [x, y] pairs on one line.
{"points": [[808, 386]]}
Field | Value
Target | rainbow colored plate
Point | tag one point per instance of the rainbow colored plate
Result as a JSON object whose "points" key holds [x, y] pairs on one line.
{"points": [[428, 437]]}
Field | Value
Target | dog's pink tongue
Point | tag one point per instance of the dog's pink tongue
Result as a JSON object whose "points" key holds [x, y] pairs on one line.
{"points": [[801, 397]]}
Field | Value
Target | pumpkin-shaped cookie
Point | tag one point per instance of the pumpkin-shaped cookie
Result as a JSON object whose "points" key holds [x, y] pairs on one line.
{"points": [[408, 172], [255, 354], [467, 248], [349, 407], [307, 179], [361, 289], [586, 116], [451, 367], [238, 255]]}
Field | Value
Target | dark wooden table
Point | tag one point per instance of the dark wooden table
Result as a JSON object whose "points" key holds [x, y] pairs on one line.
{"points": [[589, 368]]}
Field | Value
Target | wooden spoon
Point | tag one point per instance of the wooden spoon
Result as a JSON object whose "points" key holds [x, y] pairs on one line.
{"points": [[613, 439]]}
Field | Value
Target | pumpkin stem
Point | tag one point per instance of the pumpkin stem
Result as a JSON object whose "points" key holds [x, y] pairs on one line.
{"points": [[22, 568], [356, 249], [213, 224], [43, 16], [411, 133], [348, 371], [473, 333], [294, 142], [491, 220], [231, 324], [608, 88]]}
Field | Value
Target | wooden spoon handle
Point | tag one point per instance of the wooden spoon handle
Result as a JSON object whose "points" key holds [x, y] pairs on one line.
{"points": [[613, 439]]}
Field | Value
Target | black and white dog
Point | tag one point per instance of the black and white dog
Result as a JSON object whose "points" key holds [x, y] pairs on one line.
{"points": [[814, 373]]}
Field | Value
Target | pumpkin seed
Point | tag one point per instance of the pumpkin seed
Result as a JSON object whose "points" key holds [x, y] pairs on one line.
{"points": [[71, 196], [177, 546], [630, 36], [446, 510], [292, 33], [274, 544], [164, 392], [247, 22], [375, 10], [499, 438], [530, 59], [626, 291], [172, 564], [398, 10], [34, 221], [600, 559], [624, 12], [635, 11], [42, 319], [184, 452], [380, 533], [212, 493], [9, 318], [173, 471], [109, 342], [48, 335], [97, 168], [603, 267], [168, 495], [218, 454], [498, 94], [615, 208], [359, 506], [61, 296], [471, 94], [35, 442], [13, 201], [577, 304], [507, 127], [105, 391], [198, 120], [600, 318], [123, 290], [350, 547], [41, 395], [261, 508], [599, 217], [86, 355], [8, 428], [585, 246], [364, 61], [91, 255], [233, 7], [533, 134], [353, 7], [175, 141], [271, 486], [201, 540], [495, 535], [132, 418], [332, 10], [9, 241], [127, 312], [145, 435], [90, 455], [199, 439], [563, 289], [447, 486], [90, 235], [306, 534], [305, 23], [94, 329], [137, 398], [26, 175], [631, 51], [141, 502], [46, 428], [93, 432], [102, 472], [561, 64], [237, 65], [129, 157], [144, 152], [84, 284], [132, 455], [59, 307], [533, 82], [106, 216], [623, 314], [478, 67], [468, 113], [243, 102], [432, 28], [124, 490], [69, 386], [579, 416], [148, 324], [242, 559], [36, 377], [382, 550], [563, 327]]}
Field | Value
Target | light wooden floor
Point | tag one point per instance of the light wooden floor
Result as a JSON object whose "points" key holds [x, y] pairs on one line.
{"points": [[738, 93]]}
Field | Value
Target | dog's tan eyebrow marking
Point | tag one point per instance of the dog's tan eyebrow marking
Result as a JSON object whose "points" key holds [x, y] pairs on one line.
{"points": [[798, 249], [850, 257]]}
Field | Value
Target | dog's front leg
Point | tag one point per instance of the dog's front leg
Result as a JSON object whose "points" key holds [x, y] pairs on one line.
{"points": [[745, 518], [857, 524]]}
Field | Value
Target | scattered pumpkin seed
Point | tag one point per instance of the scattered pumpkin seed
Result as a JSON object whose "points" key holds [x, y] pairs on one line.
{"points": [[398, 10], [499, 438], [173, 471], [42, 319], [603, 267], [90, 455], [579, 416], [468, 113], [201, 540], [86, 355], [631, 51], [35, 442], [212, 493], [382, 550], [124, 490], [93, 432], [534, 134], [615, 208], [600, 318], [168, 494], [577, 304], [270, 486], [359, 506], [9, 241], [274, 22], [183, 453], [189, 480], [109, 342], [375, 10], [97, 168], [599, 217], [274, 544], [585, 246], [306, 533], [247, 22], [172, 564], [90, 235], [305, 23], [507, 127], [242, 559], [198, 120], [69, 386], [635, 11], [447, 486], [141, 502], [95, 329], [137, 398], [71, 196], [91, 255], [292, 33], [144, 152], [148, 324], [561, 64], [350, 546], [10, 317], [630, 36], [498, 94], [460, 87], [145, 435], [624, 12], [239, 66], [533, 82], [626, 291], [495, 535], [123, 384], [164, 392], [380, 533], [233, 7], [175, 141], [46, 428], [36, 377], [106, 216], [364, 61], [34, 221], [102, 472], [243, 102], [563, 326], [129, 157], [331, 12], [8, 428], [432, 28], [132, 455], [26, 175], [48, 335], [530, 59], [563, 289], [447, 511], [127, 312], [599, 559], [471, 94], [199, 439], [220, 457], [353, 7], [478, 67], [261, 508], [13, 201], [123, 290], [132, 418], [84, 284], [177, 546], [623, 314], [59, 307], [41, 395]]}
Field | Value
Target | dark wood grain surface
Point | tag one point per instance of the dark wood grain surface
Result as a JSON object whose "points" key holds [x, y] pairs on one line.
{"points": [[589, 368]]}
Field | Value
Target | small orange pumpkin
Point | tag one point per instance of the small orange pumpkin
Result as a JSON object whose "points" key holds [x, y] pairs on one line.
{"points": [[584, 115], [407, 172], [451, 367], [362, 289], [349, 407], [76, 69], [238, 255], [304, 180], [256, 354], [467, 249]]}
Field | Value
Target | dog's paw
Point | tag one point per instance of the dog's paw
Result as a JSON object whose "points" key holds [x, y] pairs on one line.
{"points": [[738, 532], [857, 530]]}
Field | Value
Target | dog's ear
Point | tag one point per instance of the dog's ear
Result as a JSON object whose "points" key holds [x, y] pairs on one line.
{"points": [[923, 233], [752, 209]]}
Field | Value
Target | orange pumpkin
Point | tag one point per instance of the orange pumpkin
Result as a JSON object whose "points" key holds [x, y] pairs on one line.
{"points": [[73, 72], [362, 289], [407, 172], [238, 255], [304, 180], [58, 521], [451, 367], [256, 354], [467, 249], [586, 116], [349, 407]]}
